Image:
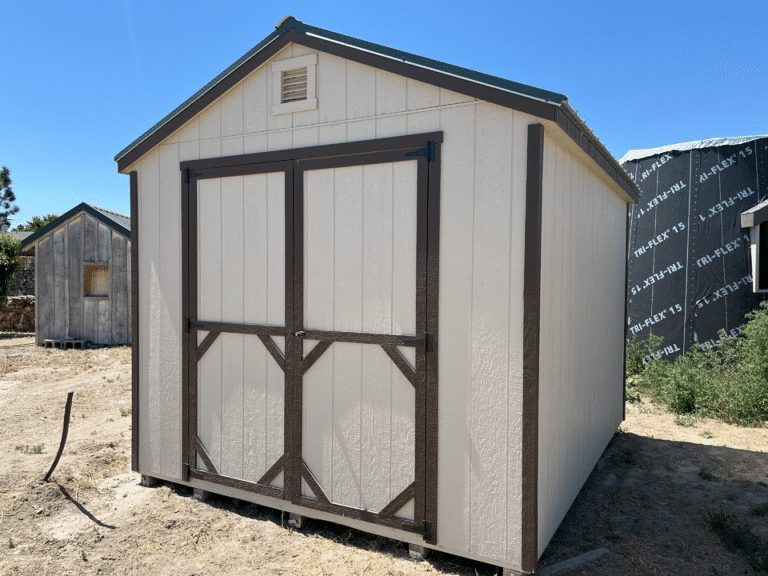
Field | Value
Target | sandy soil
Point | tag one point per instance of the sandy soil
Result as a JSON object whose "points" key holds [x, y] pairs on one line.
{"points": [[644, 502]]}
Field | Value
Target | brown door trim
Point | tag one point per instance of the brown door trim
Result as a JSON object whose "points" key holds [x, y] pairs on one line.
{"points": [[425, 150]]}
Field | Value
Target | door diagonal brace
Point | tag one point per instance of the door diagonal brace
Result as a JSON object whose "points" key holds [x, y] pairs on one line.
{"points": [[273, 471], [205, 344], [314, 355], [203, 453], [399, 501], [313, 485], [401, 363], [273, 350]]}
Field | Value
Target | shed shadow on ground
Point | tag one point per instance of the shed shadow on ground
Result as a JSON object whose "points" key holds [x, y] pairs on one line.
{"points": [[645, 502]]}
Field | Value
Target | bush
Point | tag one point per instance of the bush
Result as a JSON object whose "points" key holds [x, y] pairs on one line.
{"points": [[10, 263], [728, 381], [640, 352]]}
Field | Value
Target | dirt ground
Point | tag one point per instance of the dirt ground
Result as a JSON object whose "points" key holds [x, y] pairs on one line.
{"points": [[644, 502]]}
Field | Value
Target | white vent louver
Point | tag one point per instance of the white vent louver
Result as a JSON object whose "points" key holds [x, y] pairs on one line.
{"points": [[293, 85]]}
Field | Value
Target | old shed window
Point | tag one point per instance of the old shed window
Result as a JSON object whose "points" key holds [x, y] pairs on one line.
{"points": [[293, 84], [95, 279]]}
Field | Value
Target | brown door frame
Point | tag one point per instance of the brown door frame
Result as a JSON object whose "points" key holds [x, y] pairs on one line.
{"points": [[425, 149]]}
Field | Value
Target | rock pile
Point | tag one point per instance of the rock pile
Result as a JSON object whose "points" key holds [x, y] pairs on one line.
{"points": [[18, 314]]}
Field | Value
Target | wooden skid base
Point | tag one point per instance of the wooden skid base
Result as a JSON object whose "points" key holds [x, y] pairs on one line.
{"points": [[295, 521], [201, 495], [417, 552], [149, 481]]}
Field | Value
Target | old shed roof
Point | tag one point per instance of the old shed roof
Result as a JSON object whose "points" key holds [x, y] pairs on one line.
{"points": [[120, 223], [535, 101]]}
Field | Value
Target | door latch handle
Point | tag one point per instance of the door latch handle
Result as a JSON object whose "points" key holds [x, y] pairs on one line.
{"points": [[300, 334]]}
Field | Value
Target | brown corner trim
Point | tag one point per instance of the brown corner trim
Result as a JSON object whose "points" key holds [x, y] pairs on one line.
{"points": [[531, 334], [134, 187]]}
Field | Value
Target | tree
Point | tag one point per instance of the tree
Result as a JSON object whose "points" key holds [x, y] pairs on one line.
{"points": [[7, 198], [10, 263], [35, 223]]}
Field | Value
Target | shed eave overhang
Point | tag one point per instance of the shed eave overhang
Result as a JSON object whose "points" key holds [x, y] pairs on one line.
{"points": [[531, 100]]}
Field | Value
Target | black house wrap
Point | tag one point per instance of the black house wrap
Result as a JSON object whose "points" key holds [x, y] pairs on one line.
{"points": [[689, 268]]}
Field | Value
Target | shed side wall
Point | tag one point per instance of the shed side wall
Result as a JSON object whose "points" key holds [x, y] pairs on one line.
{"points": [[482, 225], [582, 329]]}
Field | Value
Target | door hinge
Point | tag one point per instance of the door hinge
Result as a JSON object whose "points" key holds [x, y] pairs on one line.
{"points": [[428, 152], [186, 471], [187, 175], [427, 342], [427, 530], [187, 325]]}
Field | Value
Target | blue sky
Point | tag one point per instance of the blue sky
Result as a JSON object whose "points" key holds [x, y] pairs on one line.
{"points": [[83, 79]]}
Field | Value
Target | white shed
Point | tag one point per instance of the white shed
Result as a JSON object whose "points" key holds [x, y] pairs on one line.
{"points": [[379, 290], [82, 278]]}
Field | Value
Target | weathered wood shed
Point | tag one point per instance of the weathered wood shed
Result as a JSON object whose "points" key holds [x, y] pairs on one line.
{"points": [[385, 291], [83, 277]]}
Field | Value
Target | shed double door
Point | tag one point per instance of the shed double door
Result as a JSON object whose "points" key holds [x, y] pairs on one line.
{"points": [[310, 370]]}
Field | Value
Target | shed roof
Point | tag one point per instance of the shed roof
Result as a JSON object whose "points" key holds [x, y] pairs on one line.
{"points": [[535, 101], [120, 223]]}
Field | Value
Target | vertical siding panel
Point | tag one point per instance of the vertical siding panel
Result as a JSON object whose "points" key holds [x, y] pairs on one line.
{"points": [[361, 130], [255, 281], [391, 126], [232, 238], [255, 143], [348, 267], [490, 330], [306, 137], [361, 91], [190, 132], [59, 279], [390, 93], [519, 140], [331, 88], [421, 95], [150, 296], [232, 112], [169, 237], [105, 243], [275, 253], [210, 121], [427, 121], [75, 278], [44, 288], [210, 148], [210, 308], [104, 331], [319, 223], [91, 319], [232, 146], [255, 101], [120, 310], [377, 296], [456, 236], [90, 239], [404, 175], [332, 134], [280, 140], [129, 293], [448, 97]]}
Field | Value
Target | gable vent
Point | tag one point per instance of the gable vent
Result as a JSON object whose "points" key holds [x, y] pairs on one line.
{"points": [[293, 86]]}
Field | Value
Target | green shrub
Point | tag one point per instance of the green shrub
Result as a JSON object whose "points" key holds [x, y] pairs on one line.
{"points": [[728, 381], [639, 352], [10, 263]]}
